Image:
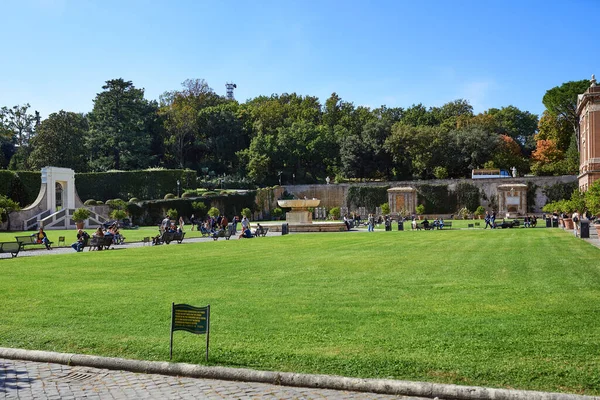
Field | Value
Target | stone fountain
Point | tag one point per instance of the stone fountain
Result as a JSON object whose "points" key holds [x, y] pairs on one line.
{"points": [[300, 213], [299, 219]]}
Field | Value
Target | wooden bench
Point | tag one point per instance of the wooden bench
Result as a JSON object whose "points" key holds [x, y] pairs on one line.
{"points": [[262, 231], [29, 240], [10, 247], [447, 225], [99, 243]]}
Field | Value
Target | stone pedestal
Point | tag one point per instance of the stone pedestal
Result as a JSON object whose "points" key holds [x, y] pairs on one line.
{"points": [[298, 217]]}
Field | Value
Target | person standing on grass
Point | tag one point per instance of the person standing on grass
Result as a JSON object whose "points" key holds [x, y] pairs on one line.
{"points": [[487, 220], [193, 222], [371, 223]]}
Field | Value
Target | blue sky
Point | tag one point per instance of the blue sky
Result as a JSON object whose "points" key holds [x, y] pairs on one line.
{"points": [[57, 54]]}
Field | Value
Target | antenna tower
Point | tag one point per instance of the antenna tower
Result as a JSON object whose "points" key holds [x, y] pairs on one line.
{"points": [[230, 86]]}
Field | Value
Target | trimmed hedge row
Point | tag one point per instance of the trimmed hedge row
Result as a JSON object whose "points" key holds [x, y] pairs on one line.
{"points": [[154, 184], [21, 186]]}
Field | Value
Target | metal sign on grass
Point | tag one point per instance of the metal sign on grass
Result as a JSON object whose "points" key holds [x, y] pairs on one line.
{"points": [[190, 319]]}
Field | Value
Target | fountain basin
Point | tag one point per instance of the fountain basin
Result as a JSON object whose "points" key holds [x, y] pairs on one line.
{"points": [[299, 204]]}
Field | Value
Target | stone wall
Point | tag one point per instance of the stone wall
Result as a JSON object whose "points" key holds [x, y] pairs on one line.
{"points": [[334, 195]]}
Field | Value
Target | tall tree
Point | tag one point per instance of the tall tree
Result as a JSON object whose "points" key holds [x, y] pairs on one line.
{"points": [[561, 101], [60, 141], [119, 135], [18, 123]]}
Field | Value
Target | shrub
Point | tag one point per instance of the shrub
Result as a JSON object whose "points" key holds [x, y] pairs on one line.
{"points": [[440, 172], [118, 214], [246, 212], [479, 211], [366, 196], [200, 208], [420, 209], [385, 208], [90, 202], [463, 213], [214, 212], [277, 212], [116, 204], [592, 198], [169, 196], [189, 193], [81, 214], [172, 213], [134, 200], [99, 203], [335, 212]]}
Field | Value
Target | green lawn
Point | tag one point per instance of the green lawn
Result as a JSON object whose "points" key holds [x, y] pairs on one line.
{"points": [[517, 308]]}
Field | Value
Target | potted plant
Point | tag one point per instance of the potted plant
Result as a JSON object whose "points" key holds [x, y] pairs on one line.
{"points": [[277, 213], [80, 215], [479, 211], [420, 210]]}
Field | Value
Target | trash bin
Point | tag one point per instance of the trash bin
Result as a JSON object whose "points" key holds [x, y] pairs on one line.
{"points": [[584, 230], [555, 222], [285, 229], [400, 225], [548, 222]]}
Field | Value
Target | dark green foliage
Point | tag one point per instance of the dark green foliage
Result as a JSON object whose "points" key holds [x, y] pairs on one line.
{"points": [[436, 198], [366, 196], [531, 190], [467, 196], [153, 211], [153, 184], [20, 186], [559, 191]]}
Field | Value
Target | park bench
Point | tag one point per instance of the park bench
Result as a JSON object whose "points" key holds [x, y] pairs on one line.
{"points": [[262, 231], [28, 240], [168, 237], [10, 247], [223, 233], [447, 225], [99, 243]]}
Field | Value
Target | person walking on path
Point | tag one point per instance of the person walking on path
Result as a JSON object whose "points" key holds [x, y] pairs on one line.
{"points": [[576, 217]]}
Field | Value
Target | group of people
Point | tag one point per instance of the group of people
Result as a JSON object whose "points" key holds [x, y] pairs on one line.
{"points": [[112, 231], [438, 223]]}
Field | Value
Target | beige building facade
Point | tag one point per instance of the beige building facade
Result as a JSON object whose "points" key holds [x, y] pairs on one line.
{"points": [[588, 112]]}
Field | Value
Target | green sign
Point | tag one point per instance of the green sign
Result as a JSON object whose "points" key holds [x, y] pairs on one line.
{"points": [[190, 319]]}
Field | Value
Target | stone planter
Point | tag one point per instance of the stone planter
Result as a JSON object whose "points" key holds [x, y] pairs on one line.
{"points": [[569, 224]]}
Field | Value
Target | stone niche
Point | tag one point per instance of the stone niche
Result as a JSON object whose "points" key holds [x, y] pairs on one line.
{"points": [[512, 200], [402, 200]]}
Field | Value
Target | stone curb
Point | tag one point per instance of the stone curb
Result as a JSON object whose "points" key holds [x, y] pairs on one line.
{"points": [[381, 386]]}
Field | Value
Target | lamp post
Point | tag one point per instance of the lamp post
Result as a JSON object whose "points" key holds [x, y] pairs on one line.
{"points": [[178, 183]]}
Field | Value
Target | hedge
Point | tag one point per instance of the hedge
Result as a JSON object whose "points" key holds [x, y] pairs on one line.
{"points": [[152, 184], [437, 199], [20, 186]]}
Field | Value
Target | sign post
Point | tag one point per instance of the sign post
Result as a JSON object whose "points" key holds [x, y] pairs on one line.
{"points": [[190, 319]]}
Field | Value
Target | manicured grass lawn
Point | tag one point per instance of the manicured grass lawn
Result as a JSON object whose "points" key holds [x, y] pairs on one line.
{"points": [[516, 308]]}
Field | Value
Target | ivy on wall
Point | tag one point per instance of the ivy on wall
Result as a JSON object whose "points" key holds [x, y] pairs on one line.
{"points": [[436, 199], [467, 196], [366, 196]]}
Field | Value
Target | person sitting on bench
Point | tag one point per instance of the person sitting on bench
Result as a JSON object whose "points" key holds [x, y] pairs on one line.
{"points": [[82, 240], [41, 238]]}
